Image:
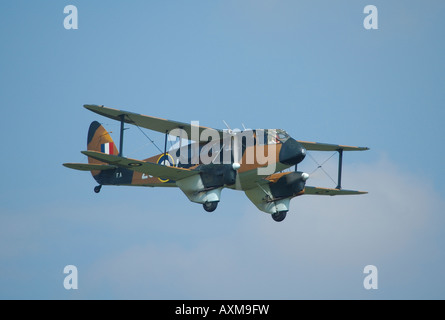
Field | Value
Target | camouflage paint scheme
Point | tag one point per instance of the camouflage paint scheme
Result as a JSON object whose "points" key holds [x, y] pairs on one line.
{"points": [[226, 166], [97, 136]]}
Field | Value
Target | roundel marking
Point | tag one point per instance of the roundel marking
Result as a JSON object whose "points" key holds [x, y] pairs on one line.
{"points": [[135, 164], [165, 157]]}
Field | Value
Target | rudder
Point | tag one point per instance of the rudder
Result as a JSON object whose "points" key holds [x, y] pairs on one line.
{"points": [[99, 140]]}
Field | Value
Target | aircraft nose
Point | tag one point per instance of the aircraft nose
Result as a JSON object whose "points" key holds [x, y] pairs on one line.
{"points": [[292, 152]]}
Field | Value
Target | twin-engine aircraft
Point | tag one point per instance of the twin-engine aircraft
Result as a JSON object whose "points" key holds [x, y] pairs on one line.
{"points": [[251, 160]]}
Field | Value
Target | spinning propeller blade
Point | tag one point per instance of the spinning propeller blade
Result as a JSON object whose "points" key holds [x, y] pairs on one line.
{"points": [[236, 158]]}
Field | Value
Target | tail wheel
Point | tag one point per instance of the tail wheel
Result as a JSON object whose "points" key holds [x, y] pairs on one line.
{"points": [[279, 216], [97, 188], [210, 206]]}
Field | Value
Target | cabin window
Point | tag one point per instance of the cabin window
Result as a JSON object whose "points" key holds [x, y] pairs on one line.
{"points": [[261, 137]]}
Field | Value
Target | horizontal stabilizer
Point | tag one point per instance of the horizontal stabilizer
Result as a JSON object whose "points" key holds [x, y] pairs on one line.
{"points": [[149, 168], [331, 192], [317, 146], [89, 167]]}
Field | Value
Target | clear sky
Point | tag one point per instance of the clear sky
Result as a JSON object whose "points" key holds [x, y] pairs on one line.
{"points": [[309, 67]]}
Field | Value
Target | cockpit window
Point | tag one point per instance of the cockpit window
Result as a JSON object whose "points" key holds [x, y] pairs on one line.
{"points": [[271, 136], [261, 136], [282, 135]]}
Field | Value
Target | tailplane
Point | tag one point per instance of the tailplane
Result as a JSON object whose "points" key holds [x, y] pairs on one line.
{"points": [[99, 140]]}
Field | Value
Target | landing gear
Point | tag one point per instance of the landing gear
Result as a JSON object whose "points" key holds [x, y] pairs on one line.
{"points": [[97, 188], [279, 216], [210, 206]]}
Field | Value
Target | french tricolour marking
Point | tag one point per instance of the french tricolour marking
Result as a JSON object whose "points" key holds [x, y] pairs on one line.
{"points": [[107, 148]]}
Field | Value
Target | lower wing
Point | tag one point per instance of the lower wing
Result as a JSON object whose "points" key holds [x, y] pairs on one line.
{"points": [[154, 169], [331, 192]]}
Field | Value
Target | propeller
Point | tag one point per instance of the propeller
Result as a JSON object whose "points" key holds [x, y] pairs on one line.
{"points": [[304, 176], [236, 164], [236, 158], [298, 175], [296, 181]]}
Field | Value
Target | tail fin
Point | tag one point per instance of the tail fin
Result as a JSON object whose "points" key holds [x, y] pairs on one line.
{"points": [[100, 140]]}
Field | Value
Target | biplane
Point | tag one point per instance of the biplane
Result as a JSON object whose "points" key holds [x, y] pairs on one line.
{"points": [[206, 160]]}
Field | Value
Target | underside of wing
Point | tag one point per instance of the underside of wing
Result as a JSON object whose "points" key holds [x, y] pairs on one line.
{"points": [[317, 146], [331, 192], [149, 122], [89, 167], [149, 168]]}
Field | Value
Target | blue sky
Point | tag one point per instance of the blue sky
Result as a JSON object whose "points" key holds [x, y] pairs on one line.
{"points": [[307, 67]]}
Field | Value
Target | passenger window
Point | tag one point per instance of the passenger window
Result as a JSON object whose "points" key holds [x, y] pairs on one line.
{"points": [[261, 137]]}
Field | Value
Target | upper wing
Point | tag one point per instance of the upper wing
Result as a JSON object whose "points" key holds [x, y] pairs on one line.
{"points": [[89, 167], [330, 192], [156, 170], [317, 146], [148, 122]]}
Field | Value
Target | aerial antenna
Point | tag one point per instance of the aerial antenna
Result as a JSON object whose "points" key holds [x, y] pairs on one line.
{"points": [[244, 126], [227, 125]]}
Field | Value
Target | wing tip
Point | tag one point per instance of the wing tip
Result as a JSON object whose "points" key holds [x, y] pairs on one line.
{"points": [[92, 106], [331, 192], [74, 166], [352, 148]]}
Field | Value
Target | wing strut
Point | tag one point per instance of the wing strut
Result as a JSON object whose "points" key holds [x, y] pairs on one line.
{"points": [[340, 165], [121, 142], [165, 146]]}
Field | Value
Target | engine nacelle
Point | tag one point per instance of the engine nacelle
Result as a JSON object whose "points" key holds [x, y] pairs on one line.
{"points": [[259, 197], [218, 175], [195, 190], [288, 185], [275, 196]]}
